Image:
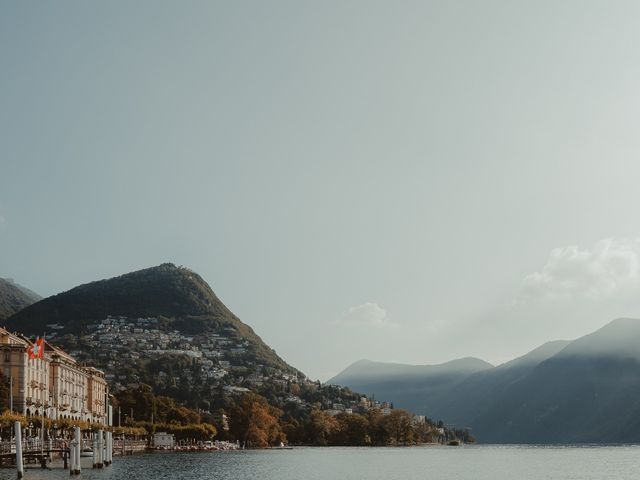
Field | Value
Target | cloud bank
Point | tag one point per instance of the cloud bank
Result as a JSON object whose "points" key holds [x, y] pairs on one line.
{"points": [[366, 315], [609, 267]]}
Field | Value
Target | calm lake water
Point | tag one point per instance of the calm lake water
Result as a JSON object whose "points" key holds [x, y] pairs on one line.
{"points": [[442, 463]]}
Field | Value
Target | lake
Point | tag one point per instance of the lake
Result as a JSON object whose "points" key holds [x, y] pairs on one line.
{"points": [[482, 462]]}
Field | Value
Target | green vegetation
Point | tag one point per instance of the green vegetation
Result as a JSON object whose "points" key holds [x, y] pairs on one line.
{"points": [[255, 423], [145, 410], [179, 297], [372, 428]]}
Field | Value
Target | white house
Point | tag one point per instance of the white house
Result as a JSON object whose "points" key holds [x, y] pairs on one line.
{"points": [[163, 440]]}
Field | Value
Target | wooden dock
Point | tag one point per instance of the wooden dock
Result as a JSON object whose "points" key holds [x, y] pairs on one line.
{"points": [[33, 450]]}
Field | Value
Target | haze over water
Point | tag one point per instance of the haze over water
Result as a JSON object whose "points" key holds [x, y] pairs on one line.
{"points": [[460, 463]]}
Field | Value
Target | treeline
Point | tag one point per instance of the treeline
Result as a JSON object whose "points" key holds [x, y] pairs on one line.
{"points": [[255, 423], [140, 407], [372, 428], [141, 404]]}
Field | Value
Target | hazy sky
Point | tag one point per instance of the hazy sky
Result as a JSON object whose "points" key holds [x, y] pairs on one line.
{"points": [[406, 181]]}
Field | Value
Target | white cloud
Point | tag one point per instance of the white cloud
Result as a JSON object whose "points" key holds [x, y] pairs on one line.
{"points": [[611, 266], [366, 315]]}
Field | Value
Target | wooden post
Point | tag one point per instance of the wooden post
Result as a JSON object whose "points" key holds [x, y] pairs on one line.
{"points": [[109, 435], [100, 448], [108, 450], [94, 436], [78, 451], [19, 464], [72, 457]]}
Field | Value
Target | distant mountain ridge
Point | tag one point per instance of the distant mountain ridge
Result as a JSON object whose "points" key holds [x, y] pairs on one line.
{"points": [[406, 382], [14, 297], [581, 391]]}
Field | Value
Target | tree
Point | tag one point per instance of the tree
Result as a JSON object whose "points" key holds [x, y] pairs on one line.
{"points": [[353, 430], [398, 425], [139, 400], [320, 427], [255, 423]]}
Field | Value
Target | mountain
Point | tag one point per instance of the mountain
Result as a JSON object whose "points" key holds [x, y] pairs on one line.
{"points": [[583, 391], [413, 387], [589, 392], [178, 297], [14, 297], [164, 328]]}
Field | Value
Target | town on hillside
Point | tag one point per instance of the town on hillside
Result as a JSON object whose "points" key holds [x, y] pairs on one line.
{"points": [[125, 347]]}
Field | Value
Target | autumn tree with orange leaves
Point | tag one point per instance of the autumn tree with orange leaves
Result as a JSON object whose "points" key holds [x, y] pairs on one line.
{"points": [[255, 423]]}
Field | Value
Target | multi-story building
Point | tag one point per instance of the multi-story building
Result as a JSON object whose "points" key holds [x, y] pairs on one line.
{"points": [[54, 386]]}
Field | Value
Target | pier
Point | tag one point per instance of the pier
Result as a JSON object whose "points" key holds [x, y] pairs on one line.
{"points": [[100, 445]]}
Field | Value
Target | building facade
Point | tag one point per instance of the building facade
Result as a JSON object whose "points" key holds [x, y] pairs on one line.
{"points": [[54, 386]]}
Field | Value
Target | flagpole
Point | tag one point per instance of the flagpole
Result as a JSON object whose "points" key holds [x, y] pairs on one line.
{"points": [[42, 461]]}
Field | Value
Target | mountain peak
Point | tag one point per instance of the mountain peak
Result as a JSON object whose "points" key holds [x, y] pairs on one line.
{"points": [[619, 338]]}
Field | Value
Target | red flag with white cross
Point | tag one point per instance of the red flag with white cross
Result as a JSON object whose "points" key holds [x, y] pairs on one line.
{"points": [[37, 349]]}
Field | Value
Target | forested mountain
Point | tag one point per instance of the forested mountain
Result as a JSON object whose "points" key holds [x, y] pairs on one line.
{"points": [[587, 390], [14, 297], [164, 327], [178, 298]]}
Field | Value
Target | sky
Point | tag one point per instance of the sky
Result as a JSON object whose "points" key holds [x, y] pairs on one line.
{"points": [[399, 181]]}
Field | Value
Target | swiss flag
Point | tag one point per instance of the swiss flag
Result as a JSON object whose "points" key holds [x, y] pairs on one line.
{"points": [[37, 349]]}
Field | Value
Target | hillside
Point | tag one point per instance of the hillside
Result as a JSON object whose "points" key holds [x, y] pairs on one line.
{"points": [[162, 332], [165, 327], [583, 391], [178, 297], [14, 297]]}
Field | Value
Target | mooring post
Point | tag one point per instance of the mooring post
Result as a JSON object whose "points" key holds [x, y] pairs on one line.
{"points": [[19, 464], [107, 451], [101, 444], [78, 452], [72, 457], [94, 437]]}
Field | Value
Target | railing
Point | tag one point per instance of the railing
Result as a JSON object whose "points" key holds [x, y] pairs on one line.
{"points": [[34, 445], [129, 447]]}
